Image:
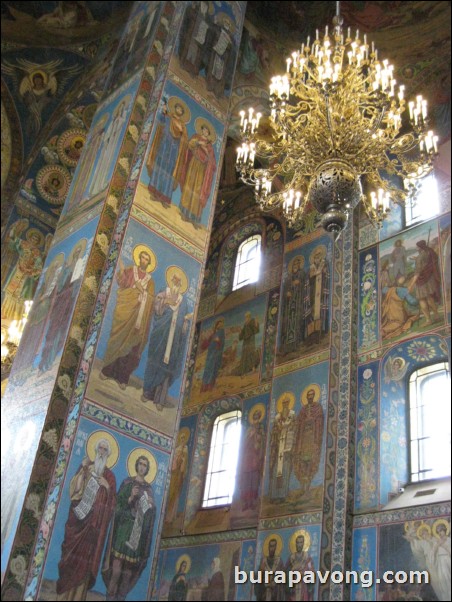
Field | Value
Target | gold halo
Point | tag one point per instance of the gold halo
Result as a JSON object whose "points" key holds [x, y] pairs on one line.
{"points": [[261, 408], [304, 399], [32, 231], [81, 245], [291, 397], [184, 431], [57, 261], [279, 544], [320, 250], [174, 270], [103, 120], [175, 100], [293, 539], [136, 257], [200, 122], [92, 442], [423, 527], [187, 559], [133, 457], [407, 525], [222, 17], [291, 262], [127, 98], [43, 74], [437, 523]]}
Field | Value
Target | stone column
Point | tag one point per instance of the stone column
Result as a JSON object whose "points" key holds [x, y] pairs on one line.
{"points": [[95, 389]]}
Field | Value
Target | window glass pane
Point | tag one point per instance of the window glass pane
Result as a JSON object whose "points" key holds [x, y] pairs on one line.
{"points": [[430, 422], [247, 264], [223, 456], [426, 203]]}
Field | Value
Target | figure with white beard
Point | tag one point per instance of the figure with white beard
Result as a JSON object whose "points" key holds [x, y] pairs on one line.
{"points": [[169, 330], [93, 494]]}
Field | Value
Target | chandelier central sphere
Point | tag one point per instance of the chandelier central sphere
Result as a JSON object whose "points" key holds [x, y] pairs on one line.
{"points": [[342, 133]]}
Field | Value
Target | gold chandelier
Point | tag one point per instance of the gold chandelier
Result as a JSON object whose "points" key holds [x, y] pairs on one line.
{"points": [[340, 125], [11, 339]]}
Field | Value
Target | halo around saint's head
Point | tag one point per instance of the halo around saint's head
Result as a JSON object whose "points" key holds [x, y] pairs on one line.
{"points": [[441, 521], [318, 251], [56, 262], [184, 558], [312, 387], [102, 121], [293, 540], [297, 258], [200, 123], [258, 407], [175, 100], [81, 247], [174, 270], [124, 102], [223, 18], [35, 232], [41, 73], [94, 439], [423, 528], [132, 460], [184, 433], [145, 249], [287, 395], [279, 544]]}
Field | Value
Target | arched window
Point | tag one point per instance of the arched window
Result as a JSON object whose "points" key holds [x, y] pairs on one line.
{"points": [[247, 263], [223, 455], [426, 204], [429, 392]]}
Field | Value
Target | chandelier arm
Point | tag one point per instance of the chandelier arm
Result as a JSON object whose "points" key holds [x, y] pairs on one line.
{"points": [[329, 122]]}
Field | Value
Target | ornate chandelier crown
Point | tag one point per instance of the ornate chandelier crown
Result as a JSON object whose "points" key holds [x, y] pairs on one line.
{"points": [[340, 122]]}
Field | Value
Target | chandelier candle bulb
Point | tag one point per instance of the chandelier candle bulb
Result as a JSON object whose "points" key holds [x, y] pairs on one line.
{"points": [[424, 109]]}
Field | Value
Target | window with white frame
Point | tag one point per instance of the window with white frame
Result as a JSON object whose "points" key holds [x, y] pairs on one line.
{"points": [[426, 201], [430, 401], [223, 456], [248, 261]]}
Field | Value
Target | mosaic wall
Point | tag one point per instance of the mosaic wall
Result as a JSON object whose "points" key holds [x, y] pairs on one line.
{"points": [[203, 572], [147, 322], [114, 488], [264, 351], [149, 287], [416, 539], [304, 326], [404, 324], [404, 292], [296, 442]]}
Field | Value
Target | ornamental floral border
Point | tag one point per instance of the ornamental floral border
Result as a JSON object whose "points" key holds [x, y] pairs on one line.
{"points": [[367, 448], [221, 537], [368, 300], [126, 426], [397, 516], [298, 520]]}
